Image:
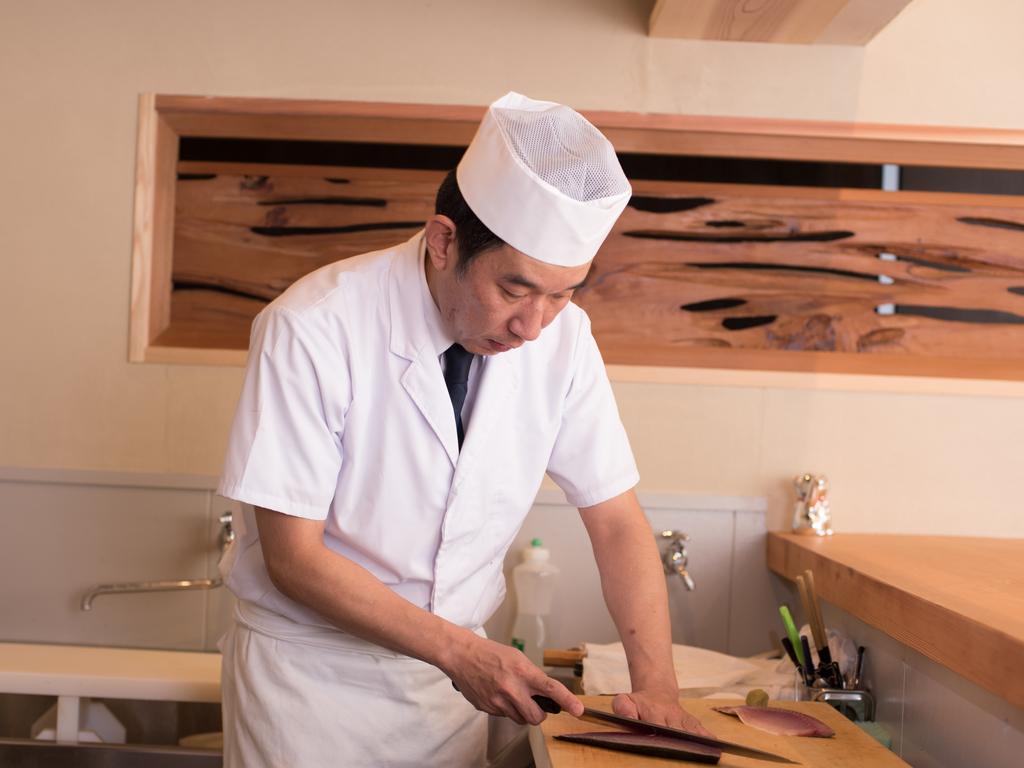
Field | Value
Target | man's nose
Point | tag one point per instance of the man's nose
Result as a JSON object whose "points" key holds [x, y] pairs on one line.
{"points": [[528, 323]]}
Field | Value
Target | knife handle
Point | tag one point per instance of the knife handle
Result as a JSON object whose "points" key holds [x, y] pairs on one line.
{"points": [[548, 705], [791, 632]]}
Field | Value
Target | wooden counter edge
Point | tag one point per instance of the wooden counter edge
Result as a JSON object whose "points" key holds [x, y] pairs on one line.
{"points": [[975, 650]]}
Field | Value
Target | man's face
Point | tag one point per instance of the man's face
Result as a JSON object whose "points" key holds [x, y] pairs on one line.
{"points": [[504, 298]]}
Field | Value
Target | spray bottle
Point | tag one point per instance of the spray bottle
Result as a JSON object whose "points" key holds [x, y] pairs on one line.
{"points": [[534, 579]]}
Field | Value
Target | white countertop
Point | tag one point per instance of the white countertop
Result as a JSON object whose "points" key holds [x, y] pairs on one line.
{"points": [[115, 673]]}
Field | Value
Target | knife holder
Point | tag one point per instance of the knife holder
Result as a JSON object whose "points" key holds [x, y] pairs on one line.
{"points": [[858, 706]]}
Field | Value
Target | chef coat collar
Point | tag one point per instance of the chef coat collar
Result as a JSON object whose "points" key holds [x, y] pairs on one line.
{"points": [[437, 335], [416, 328], [418, 335]]}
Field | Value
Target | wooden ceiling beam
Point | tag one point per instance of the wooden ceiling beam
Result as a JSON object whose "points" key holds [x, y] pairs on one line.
{"points": [[826, 22]]}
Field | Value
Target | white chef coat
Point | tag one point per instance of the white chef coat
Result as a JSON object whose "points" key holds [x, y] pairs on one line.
{"points": [[344, 417]]}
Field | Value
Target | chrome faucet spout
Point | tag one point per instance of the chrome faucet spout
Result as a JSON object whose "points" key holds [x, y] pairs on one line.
{"points": [[225, 539], [675, 557], [687, 579], [172, 585]]}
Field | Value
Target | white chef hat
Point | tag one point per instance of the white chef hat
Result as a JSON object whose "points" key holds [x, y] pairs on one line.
{"points": [[543, 179]]}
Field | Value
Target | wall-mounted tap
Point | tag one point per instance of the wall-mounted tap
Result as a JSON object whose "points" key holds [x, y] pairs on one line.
{"points": [[224, 540], [675, 558], [227, 533]]}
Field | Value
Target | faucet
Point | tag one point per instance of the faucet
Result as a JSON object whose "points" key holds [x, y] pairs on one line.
{"points": [[675, 559], [225, 538]]}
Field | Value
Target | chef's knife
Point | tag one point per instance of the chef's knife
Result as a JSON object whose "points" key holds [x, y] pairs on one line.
{"points": [[551, 706]]}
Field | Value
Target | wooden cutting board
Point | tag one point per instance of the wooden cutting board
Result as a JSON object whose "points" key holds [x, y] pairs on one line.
{"points": [[849, 748]]}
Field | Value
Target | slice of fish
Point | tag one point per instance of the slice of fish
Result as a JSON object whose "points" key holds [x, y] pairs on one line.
{"points": [[646, 744], [778, 721]]}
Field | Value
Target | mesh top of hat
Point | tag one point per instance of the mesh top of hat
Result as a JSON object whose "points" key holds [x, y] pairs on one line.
{"points": [[563, 150]]}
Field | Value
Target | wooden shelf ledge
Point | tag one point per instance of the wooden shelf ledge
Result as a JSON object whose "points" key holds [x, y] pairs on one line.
{"points": [[959, 601], [115, 673]]}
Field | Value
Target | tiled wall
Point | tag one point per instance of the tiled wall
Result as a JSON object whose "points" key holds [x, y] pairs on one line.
{"points": [[64, 532], [936, 718], [731, 609]]}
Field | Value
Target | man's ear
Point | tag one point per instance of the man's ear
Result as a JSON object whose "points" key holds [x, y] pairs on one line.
{"points": [[441, 247]]}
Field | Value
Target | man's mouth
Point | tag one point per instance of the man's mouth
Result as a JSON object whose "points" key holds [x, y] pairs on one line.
{"points": [[497, 346]]}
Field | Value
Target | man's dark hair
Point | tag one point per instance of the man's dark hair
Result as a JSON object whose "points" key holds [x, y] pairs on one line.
{"points": [[471, 236]]}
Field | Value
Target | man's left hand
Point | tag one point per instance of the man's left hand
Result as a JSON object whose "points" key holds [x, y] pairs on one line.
{"points": [[659, 707]]}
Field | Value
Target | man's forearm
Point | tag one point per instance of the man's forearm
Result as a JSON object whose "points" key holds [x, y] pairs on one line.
{"points": [[634, 589], [353, 599]]}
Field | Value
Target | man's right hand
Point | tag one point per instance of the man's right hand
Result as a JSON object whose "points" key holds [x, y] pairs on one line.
{"points": [[500, 680]]}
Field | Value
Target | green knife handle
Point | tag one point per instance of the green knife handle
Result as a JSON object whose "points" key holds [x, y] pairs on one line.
{"points": [[794, 636]]}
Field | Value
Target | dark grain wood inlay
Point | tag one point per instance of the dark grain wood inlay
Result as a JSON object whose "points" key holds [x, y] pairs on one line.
{"points": [[981, 221], [757, 266], [713, 304], [650, 204], [940, 265], [714, 237], [295, 231], [375, 202], [959, 314], [180, 285], [742, 323]]}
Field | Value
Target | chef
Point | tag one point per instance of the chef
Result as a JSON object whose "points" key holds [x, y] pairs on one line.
{"points": [[399, 412]]}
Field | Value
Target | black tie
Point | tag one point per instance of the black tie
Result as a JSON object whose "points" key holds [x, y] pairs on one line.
{"points": [[456, 376]]}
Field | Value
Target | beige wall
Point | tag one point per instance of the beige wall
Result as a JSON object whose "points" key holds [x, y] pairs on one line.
{"points": [[70, 73]]}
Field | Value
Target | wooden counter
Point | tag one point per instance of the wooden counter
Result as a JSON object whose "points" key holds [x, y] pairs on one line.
{"points": [[849, 748], [958, 601]]}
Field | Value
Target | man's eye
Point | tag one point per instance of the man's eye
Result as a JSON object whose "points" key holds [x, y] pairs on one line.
{"points": [[511, 294]]}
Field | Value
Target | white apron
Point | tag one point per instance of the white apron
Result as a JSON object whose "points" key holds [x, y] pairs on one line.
{"points": [[306, 697]]}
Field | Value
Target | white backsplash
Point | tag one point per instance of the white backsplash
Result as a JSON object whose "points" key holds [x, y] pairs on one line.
{"points": [[730, 610], [65, 532]]}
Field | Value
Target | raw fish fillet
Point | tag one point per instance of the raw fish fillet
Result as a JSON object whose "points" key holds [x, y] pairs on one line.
{"points": [[781, 722], [646, 744]]}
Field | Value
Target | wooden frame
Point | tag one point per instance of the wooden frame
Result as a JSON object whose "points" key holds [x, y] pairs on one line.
{"points": [[164, 119], [826, 22]]}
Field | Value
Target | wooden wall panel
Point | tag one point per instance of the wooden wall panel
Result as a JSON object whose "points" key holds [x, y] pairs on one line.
{"points": [[690, 274], [243, 235], [710, 275], [771, 272]]}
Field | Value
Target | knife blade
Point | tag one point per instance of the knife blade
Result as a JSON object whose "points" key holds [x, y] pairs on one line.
{"points": [[597, 715]]}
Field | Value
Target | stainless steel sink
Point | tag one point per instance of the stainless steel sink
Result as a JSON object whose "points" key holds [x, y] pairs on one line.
{"points": [[25, 753], [153, 730]]}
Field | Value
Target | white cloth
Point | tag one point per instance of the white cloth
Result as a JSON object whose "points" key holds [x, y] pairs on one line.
{"points": [[290, 688], [605, 670], [344, 416], [699, 672]]}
